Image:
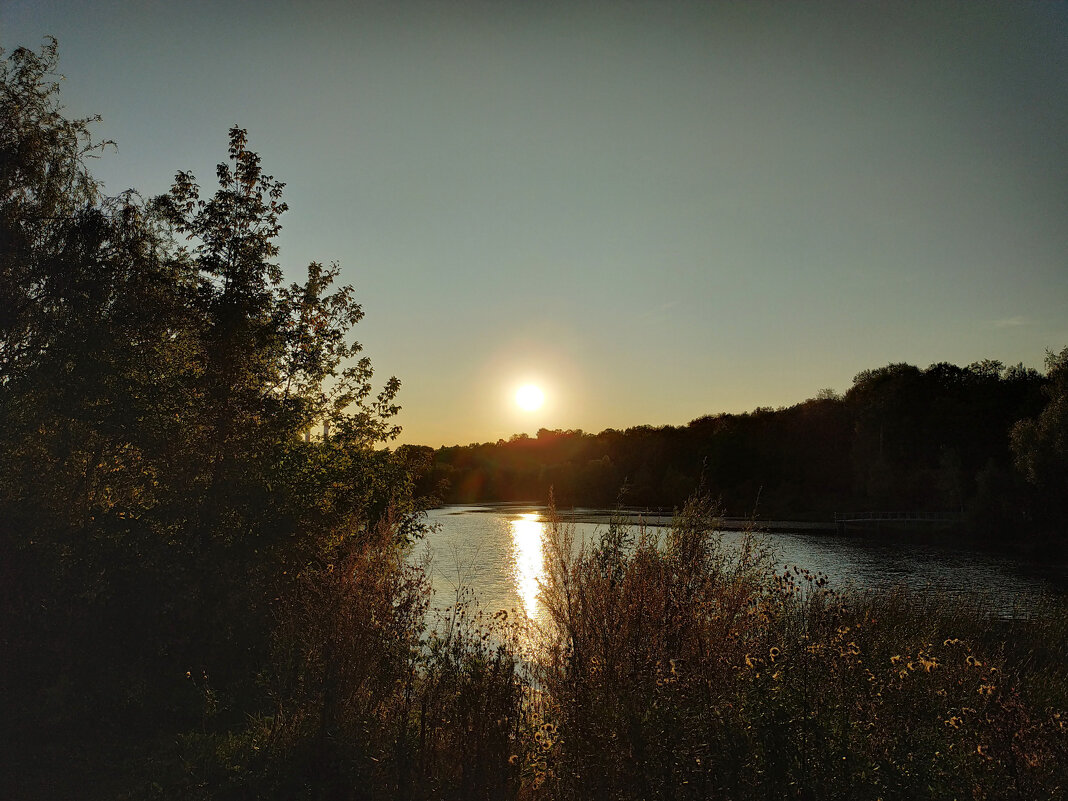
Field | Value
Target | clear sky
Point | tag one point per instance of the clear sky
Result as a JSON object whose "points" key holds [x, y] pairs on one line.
{"points": [[654, 211]]}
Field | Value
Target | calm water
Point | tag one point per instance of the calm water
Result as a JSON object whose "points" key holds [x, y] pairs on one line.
{"points": [[497, 551]]}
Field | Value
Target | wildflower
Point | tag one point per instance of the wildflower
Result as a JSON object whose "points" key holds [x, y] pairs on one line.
{"points": [[973, 662], [774, 653], [895, 659], [953, 722]]}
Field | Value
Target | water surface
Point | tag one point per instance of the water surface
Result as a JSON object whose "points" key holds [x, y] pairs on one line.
{"points": [[498, 552]]}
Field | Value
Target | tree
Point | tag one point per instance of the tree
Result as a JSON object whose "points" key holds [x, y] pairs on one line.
{"points": [[88, 307], [274, 361], [1040, 445], [45, 191], [273, 353], [94, 353], [155, 377]]}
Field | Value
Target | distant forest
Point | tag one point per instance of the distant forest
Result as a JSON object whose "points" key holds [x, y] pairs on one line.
{"points": [[966, 441]]}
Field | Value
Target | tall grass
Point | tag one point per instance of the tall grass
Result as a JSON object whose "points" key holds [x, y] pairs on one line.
{"points": [[683, 667]]}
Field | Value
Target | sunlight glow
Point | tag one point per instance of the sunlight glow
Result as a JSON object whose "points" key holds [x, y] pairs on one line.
{"points": [[527, 533], [529, 397]]}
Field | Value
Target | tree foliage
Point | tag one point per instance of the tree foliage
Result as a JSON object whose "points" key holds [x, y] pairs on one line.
{"points": [[157, 376], [1040, 444]]}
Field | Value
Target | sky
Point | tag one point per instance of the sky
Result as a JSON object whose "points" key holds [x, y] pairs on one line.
{"points": [[653, 211]]}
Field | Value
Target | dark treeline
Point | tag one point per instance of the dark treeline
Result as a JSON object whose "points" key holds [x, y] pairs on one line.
{"points": [[945, 438]]}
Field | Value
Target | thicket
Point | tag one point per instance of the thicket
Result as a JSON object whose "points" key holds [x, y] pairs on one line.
{"points": [[200, 602]]}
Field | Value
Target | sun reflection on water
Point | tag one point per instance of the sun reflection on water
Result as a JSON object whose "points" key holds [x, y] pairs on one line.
{"points": [[529, 570]]}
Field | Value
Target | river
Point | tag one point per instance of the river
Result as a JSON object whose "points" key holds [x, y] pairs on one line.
{"points": [[497, 552]]}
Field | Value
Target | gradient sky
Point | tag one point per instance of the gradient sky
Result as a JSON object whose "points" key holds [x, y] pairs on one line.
{"points": [[656, 211]]}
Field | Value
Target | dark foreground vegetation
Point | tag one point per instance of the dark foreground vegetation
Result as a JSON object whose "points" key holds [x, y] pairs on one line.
{"points": [[199, 603]]}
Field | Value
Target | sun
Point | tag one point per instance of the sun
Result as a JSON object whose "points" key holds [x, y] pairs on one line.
{"points": [[529, 397]]}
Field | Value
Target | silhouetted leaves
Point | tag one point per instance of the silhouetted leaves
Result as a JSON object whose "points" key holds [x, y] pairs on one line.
{"points": [[156, 380]]}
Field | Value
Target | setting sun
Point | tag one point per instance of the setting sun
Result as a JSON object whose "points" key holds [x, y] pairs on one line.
{"points": [[529, 398]]}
